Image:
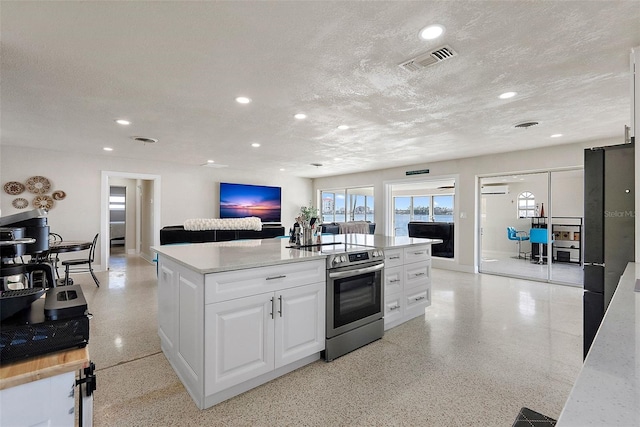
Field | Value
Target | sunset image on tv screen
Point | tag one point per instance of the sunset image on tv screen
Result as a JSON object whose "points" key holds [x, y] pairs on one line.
{"points": [[241, 200]]}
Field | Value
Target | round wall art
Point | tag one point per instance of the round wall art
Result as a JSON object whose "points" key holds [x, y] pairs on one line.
{"points": [[58, 195], [13, 188], [20, 203], [43, 202], [38, 185]]}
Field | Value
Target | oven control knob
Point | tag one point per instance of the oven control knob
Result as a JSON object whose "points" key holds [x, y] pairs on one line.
{"points": [[336, 260], [343, 258]]}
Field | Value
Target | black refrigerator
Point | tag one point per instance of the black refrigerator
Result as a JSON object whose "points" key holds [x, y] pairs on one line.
{"points": [[609, 228]]}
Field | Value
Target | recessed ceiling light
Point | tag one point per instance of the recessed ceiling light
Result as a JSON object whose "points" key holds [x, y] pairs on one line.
{"points": [[107, 149], [281, 169], [337, 159], [343, 127], [210, 161], [556, 135], [507, 95], [123, 122], [255, 144], [431, 32], [243, 100], [300, 116]]}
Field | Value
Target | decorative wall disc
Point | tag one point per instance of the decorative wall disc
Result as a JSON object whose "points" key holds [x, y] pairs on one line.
{"points": [[20, 203], [13, 187], [43, 202], [58, 195], [38, 184]]}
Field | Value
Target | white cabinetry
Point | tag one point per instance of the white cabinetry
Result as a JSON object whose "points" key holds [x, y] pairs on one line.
{"points": [[407, 280], [225, 333]]}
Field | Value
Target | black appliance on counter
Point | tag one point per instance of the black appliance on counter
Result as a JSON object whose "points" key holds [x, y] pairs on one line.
{"points": [[31, 325], [57, 322], [609, 228]]}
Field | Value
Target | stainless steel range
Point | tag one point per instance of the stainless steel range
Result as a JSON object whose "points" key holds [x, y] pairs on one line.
{"points": [[354, 315]]}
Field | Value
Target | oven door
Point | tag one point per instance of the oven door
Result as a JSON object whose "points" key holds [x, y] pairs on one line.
{"points": [[354, 297]]}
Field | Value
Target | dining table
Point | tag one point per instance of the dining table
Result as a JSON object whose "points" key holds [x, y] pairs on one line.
{"points": [[68, 246]]}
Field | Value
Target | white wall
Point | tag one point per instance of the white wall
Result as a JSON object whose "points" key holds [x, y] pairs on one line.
{"points": [[187, 191], [468, 170]]}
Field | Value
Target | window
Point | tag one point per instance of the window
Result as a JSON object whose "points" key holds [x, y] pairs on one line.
{"points": [[351, 204], [526, 205], [420, 208]]}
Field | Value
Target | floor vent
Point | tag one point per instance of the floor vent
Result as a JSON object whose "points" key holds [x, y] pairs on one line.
{"points": [[428, 59]]}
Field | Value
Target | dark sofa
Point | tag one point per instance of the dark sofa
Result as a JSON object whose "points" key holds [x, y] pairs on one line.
{"points": [[334, 228], [435, 230], [177, 234]]}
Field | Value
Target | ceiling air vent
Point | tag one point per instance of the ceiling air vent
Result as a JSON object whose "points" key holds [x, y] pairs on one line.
{"points": [[144, 139], [525, 125], [428, 59]]}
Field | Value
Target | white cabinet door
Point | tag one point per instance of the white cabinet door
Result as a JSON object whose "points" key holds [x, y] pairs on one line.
{"points": [[239, 340], [393, 257], [300, 323]]}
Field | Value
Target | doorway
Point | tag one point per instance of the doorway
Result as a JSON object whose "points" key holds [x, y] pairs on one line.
{"points": [[144, 199], [118, 219]]}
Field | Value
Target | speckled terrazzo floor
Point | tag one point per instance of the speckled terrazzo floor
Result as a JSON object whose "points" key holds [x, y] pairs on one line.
{"points": [[487, 346]]}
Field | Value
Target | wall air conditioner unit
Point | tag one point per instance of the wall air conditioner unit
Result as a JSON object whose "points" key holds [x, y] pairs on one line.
{"points": [[495, 189]]}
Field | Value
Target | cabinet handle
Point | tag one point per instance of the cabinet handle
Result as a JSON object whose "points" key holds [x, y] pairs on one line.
{"points": [[394, 281], [280, 311], [271, 314], [395, 257], [282, 276], [419, 298], [419, 274], [395, 307], [419, 253]]}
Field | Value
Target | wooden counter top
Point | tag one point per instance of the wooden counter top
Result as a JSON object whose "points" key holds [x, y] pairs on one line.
{"points": [[45, 366]]}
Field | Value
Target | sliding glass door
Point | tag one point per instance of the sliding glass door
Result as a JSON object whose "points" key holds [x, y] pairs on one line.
{"points": [[530, 226]]}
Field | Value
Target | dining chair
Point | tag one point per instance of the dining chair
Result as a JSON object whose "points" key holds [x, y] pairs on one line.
{"points": [[53, 257], [82, 265]]}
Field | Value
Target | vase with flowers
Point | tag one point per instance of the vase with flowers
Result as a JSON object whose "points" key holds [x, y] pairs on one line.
{"points": [[309, 224]]}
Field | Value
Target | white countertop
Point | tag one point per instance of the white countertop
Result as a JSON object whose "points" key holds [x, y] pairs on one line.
{"points": [[385, 242], [607, 390], [239, 254]]}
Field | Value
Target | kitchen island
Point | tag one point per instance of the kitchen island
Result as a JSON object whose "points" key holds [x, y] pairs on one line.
{"points": [[234, 315]]}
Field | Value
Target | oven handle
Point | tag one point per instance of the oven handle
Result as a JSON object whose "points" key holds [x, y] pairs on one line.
{"points": [[349, 273]]}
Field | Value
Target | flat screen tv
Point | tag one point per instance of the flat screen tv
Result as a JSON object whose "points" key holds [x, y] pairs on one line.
{"points": [[242, 200]]}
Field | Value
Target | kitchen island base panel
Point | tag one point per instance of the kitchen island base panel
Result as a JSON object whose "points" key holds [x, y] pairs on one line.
{"points": [[221, 396], [233, 391], [352, 340]]}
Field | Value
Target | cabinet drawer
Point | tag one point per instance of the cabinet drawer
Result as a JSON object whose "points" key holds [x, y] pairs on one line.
{"points": [[417, 253], [392, 308], [393, 280], [393, 257], [417, 274], [416, 302], [229, 285]]}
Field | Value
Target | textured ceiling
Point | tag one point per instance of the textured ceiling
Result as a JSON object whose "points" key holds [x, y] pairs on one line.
{"points": [[69, 69]]}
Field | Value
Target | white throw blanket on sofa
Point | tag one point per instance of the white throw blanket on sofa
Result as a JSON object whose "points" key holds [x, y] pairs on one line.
{"points": [[249, 223]]}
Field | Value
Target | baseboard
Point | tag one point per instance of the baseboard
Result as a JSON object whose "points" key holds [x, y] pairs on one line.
{"points": [[447, 264]]}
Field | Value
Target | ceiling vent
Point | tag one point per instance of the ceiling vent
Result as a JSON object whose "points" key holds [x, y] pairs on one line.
{"points": [[214, 165], [525, 125], [144, 139], [428, 59]]}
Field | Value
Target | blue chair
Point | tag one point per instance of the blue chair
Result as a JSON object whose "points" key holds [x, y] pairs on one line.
{"points": [[518, 236], [539, 236]]}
